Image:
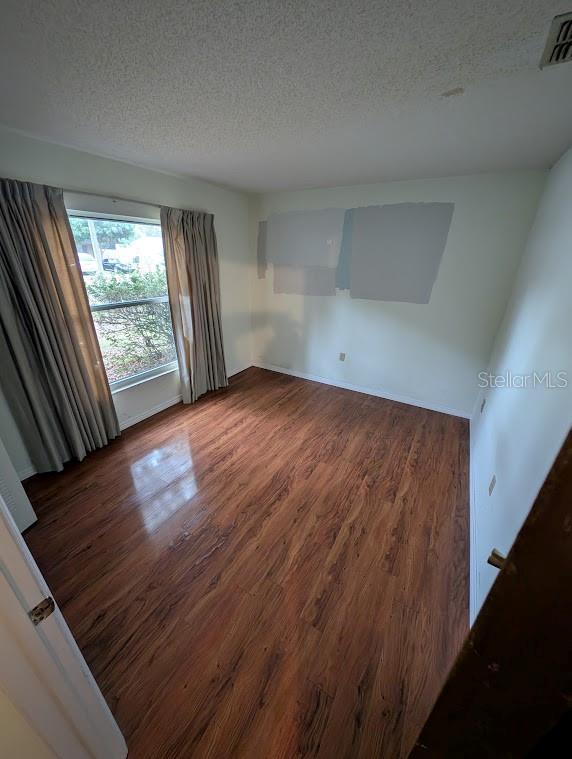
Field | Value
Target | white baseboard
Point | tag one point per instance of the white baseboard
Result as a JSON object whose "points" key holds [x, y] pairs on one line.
{"points": [[473, 564], [473, 534], [238, 371], [30, 471], [474, 578], [162, 406], [377, 392], [149, 412], [23, 474]]}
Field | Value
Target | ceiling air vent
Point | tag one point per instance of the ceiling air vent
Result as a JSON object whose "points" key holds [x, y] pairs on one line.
{"points": [[559, 44]]}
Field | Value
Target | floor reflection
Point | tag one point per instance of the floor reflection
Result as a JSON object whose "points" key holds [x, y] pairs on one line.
{"points": [[160, 469]]}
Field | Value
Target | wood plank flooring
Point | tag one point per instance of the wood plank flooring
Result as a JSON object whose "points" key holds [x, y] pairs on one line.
{"points": [[280, 570]]}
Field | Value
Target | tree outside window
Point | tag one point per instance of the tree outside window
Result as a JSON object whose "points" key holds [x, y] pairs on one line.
{"points": [[124, 272]]}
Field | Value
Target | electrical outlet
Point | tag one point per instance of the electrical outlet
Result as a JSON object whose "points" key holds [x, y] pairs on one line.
{"points": [[342, 356], [492, 484]]}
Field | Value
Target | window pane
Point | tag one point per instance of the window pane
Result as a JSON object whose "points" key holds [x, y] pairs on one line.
{"points": [[134, 339], [120, 260], [123, 261], [118, 287]]}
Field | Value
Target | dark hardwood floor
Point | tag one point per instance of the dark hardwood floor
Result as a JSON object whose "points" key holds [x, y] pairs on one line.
{"points": [[280, 570]]}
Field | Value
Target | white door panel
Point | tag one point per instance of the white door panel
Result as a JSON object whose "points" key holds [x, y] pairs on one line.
{"points": [[42, 670]]}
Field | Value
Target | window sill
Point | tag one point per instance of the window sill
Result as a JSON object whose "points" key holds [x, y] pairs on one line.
{"points": [[137, 380]]}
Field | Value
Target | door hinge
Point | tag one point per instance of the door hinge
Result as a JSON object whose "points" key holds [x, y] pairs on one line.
{"points": [[42, 610]]}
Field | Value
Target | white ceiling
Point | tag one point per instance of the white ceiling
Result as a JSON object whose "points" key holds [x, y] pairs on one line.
{"points": [[280, 94]]}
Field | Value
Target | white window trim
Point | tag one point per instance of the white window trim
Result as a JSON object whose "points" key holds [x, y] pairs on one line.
{"points": [[113, 217], [138, 379], [112, 208], [158, 371]]}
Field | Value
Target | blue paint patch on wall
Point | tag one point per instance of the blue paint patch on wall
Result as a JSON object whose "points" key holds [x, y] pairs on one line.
{"points": [[344, 262]]}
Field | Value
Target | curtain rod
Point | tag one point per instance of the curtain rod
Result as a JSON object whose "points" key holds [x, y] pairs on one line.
{"points": [[123, 199], [115, 198]]}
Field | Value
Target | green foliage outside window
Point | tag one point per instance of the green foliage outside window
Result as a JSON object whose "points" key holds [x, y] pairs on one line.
{"points": [[133, 339], [109, 233], [112, 288]]}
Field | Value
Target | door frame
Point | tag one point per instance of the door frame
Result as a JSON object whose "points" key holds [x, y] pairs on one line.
{"points": [[42, 671]]}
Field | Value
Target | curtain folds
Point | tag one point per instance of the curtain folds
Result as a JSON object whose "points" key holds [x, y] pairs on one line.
{"points": [[51, 369], [191, 259]]}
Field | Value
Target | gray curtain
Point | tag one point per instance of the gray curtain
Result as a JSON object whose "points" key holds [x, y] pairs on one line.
{"points": [[51, 370], [191, 259]]}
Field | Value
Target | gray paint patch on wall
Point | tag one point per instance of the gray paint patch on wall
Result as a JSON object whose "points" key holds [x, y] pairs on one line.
{"points": [[304, 280], [305, 238], [389, 252], [261, 256], [396, 250]]}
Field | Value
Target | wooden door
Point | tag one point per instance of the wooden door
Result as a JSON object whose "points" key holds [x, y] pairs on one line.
{"points": [[510, 690]]}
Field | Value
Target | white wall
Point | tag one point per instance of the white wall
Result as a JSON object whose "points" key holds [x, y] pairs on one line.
{"points": [[27, 159], [520, 431], [17, 738], [424, 354]]}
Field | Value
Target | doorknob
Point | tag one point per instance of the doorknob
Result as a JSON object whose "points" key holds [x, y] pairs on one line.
{"points": [[496, 559]]}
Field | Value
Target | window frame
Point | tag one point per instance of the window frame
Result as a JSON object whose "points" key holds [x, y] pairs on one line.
{"points": [[148, 374]]}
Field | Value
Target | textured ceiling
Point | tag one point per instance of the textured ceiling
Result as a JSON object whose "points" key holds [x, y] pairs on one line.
{"points": [[279, 94]]}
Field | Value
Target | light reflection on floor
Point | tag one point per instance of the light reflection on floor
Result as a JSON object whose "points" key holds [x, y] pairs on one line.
{"points": [[164, 464]]}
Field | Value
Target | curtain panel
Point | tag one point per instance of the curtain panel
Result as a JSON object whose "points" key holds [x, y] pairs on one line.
{"points": [[191, 259], [51, 369]]}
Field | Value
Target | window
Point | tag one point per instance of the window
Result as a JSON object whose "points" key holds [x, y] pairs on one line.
{"points": [[123, 267]]}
